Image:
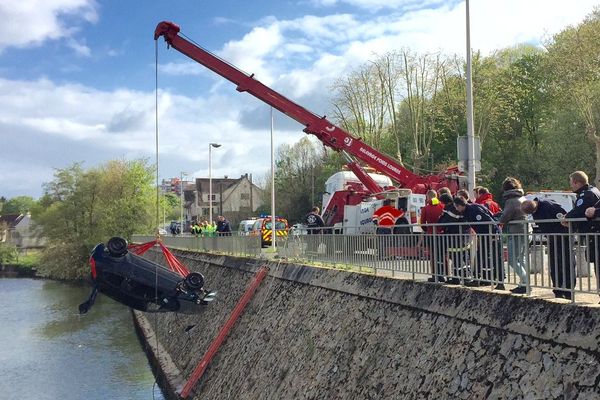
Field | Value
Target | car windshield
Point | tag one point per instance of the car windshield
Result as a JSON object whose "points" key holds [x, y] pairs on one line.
{"points": [[278, 225]]}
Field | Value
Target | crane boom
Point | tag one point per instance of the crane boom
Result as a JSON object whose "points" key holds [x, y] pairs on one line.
{"points": [[328, 133]]}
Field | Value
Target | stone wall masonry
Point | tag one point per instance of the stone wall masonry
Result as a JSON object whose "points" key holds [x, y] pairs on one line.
{"points": [[314, 333]]}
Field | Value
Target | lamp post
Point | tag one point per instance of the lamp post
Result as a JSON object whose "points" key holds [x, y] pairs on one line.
{"points": [[181, 199], [210, 146], [470, 127], [273, 218]]}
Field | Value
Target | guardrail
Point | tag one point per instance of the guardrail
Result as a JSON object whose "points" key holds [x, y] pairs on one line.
{"points": [[234, 245], [560, 261], [451, 253]]}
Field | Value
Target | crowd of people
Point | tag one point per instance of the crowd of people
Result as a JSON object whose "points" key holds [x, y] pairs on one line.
{"points": [[207, 229], [456, 227]]}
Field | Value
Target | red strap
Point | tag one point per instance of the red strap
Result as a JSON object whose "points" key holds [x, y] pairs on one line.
{"points": [[223, 332], [174, 264]]}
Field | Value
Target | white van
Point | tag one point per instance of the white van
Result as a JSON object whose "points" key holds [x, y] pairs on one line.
{"points": [[565, 199], [245, 227]]}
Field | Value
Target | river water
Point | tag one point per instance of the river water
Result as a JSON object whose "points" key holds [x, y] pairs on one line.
{"points": [[49, 351]]}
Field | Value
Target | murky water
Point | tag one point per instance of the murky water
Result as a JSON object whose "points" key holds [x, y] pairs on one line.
{"points": [[49, 351]]}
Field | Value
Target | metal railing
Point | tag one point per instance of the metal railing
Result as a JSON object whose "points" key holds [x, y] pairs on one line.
{"points": [[234, 244], [560, 261], [526, 259]]}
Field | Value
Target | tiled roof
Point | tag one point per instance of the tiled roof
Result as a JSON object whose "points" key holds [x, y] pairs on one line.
{"points": [[11, 219]]}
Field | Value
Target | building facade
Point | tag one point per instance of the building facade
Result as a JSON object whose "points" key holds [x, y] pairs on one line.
{"points": [[236, 199]]}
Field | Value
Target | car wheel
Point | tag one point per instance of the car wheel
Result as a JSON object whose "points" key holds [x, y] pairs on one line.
{"points": [[117, 246], [194, 281]]}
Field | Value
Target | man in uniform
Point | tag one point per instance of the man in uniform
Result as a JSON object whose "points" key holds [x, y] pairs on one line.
{"points": [[314, 221], [559, 250], [490, 265], [385, 218], [587, 196]]}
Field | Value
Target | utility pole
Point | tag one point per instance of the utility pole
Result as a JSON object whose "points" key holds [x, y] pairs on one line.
{"points": [[181, 199], [272, 187], [210, 146], [470, 127]]}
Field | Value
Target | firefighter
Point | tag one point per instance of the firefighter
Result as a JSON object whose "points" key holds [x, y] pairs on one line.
{"points": [[560, 260], [486, 199], [385, 218], [490, 265], [430, 214], [314, 221]]}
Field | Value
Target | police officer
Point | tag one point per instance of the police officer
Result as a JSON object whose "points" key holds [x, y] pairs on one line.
{"points": [[587, 196], [560, 261], [490, 264]]}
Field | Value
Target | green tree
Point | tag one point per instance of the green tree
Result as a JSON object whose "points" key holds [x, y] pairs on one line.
{"points": [[82, 208], [298, 180], [573, 56], [8, 253], [18, 205]]}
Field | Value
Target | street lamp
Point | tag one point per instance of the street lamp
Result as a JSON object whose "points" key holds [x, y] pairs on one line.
{"points": [[210, 146], [181, 200]]}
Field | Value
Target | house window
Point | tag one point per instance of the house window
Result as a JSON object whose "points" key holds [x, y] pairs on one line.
{"points": [[245, 196]]}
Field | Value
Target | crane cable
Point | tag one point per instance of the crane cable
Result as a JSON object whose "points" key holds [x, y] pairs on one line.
{"points": [[157, 207]]}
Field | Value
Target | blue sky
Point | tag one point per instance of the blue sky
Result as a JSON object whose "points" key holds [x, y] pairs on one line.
{"points": [[77, 77]]}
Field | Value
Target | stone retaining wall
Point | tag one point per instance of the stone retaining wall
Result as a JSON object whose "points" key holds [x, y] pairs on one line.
{"points": [[312, 333]]}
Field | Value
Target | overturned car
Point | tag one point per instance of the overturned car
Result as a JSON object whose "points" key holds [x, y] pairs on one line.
{"points": [[142, 284]]}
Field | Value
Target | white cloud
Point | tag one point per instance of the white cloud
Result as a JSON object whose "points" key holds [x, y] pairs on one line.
{"points": [[79, 48], [31, 22], [45, 125], [249, 54]]}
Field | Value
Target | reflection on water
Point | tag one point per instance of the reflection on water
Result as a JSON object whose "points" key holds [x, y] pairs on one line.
{"points": [[49, 351]]}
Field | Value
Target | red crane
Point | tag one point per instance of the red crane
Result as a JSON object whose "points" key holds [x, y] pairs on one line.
{"points": [[328, 133]]}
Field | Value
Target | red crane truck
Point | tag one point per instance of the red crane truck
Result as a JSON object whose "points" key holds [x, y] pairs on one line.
{"points": [[329, 134]]}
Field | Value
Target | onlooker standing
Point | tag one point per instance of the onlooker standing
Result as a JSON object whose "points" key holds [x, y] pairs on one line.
{"points": [[517, 232], [454, 242], [587, 196], [489, 244], [430, 214], [223, 227], [314, 221], [560, 261], [486, 199], [385, 218]]}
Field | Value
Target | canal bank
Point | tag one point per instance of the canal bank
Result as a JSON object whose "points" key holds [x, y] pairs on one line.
{"points": [[320, 333], [17, 271]]}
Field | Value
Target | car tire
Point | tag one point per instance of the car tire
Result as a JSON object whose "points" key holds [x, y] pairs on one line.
{"points": [[117, 246], [194, 281]]}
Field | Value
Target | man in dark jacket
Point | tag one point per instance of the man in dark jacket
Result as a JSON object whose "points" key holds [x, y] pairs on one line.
{"points": [[314, 221], [454, 242], [490, 265], [223, 228], [587, 196], [560, 260]]}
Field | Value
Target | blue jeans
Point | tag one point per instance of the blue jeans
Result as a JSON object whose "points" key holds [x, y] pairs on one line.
{"points": [[516, 256]]}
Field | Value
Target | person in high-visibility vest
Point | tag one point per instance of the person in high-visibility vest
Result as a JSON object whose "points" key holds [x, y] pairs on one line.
{"points": [[385, 218]]}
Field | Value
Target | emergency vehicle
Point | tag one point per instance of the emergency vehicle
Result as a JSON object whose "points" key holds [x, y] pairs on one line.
{"points": [[565, 199], [263, 228], [245, 226]]}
